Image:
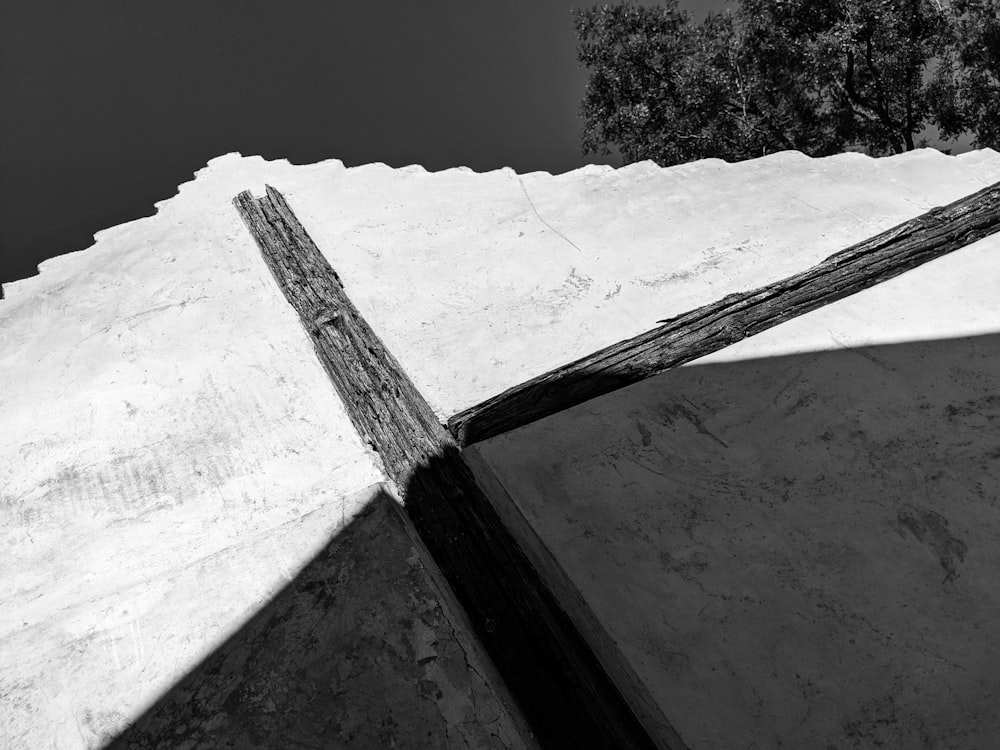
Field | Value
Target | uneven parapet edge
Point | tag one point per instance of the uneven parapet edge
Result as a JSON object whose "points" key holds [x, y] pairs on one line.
{"points": [[20, 286], [101, 235]]}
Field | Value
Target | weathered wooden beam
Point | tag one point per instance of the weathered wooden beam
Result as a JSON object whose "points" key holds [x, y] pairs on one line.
{"points": [[737, 316], [563, 690]]}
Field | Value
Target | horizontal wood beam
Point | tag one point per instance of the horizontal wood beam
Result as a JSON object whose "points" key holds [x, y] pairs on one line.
{"points": [[565, 693], [737, 316]]}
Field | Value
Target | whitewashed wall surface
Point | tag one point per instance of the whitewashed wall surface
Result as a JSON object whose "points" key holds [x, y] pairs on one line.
{"points": [[793, 541]]}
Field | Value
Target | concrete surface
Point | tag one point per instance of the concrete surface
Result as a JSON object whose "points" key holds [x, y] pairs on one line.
{"points": [[794, 541], [365, 648]]}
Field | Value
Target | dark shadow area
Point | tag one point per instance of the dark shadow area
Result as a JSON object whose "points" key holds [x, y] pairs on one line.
{"points": [[544, 659], [363, 649], [797, 551]]}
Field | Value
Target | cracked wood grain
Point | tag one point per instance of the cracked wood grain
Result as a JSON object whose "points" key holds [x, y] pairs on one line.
{"points": [[714, 326], [565, 693]]}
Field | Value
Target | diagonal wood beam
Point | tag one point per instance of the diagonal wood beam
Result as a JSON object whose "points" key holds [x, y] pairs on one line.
{"points": [[565, 693], [709, 328]]}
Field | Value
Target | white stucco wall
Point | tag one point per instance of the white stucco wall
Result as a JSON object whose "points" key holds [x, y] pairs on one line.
{"points": [[162, 411]]}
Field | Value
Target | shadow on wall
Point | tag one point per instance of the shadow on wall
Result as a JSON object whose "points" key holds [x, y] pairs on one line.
{"points": [[363, 649], [800, 550], [367, 646]]}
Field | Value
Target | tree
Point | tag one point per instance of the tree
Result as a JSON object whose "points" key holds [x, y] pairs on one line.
{"points": [[966, 85], [811, 75], [634, 95]]}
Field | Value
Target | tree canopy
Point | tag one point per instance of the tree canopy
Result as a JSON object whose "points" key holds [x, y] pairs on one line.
{"points": [[817, 76]]}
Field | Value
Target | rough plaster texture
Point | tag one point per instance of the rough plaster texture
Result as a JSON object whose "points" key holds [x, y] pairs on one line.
{"points": [[794, 544], [161, 408], [478, 282], [364, 649]]}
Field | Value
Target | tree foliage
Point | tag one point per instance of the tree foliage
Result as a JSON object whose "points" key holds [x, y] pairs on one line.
{"points": [[966, 86], [813, 75]]}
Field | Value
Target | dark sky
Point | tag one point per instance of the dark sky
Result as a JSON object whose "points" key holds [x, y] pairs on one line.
{"points": [[107, 105]]}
